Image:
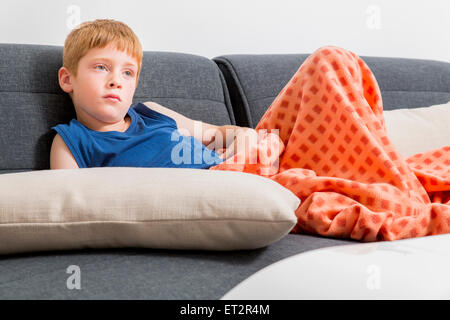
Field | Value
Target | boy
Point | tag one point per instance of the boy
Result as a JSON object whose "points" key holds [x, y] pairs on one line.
{"points": [[101, 67]]}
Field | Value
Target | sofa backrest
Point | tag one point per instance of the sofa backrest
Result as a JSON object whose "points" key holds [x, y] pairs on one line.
{"points": [[254, 81], [229, 89], [31, 101]]}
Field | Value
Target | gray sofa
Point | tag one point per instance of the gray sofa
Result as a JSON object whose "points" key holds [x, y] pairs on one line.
{"points": [[230, 89]]}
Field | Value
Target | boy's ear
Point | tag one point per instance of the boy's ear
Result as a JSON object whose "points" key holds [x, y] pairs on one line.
{"points": [[65, 79]]}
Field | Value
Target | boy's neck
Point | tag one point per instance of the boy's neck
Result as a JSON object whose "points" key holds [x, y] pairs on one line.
{"points": [[120, 126]]}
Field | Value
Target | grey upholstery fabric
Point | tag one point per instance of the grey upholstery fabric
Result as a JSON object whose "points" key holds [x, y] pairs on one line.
{"points": [[31, 100], [254, 81], [143, 274]]}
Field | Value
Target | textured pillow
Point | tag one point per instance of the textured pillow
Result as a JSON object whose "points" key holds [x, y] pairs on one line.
{"points": [[417, 130], [167, 208]]}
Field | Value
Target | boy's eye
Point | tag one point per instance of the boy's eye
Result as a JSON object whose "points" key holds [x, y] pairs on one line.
{"points": [[129, 73], [101, 66]]}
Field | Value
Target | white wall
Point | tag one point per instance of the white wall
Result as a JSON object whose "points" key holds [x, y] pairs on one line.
{"points": [[395, 28]]}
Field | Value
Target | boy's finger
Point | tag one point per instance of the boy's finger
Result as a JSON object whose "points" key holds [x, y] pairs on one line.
{"points": [[231, 150]]}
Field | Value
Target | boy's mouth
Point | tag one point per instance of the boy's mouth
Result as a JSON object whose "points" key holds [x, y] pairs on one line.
{"points": [[112, 97]]}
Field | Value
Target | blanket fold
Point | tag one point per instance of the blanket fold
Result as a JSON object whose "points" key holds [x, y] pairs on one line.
{"points": [[324, 138]]}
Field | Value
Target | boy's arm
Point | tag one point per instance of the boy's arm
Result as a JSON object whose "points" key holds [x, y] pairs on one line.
{"points": [[60, 155], [212, 136]]}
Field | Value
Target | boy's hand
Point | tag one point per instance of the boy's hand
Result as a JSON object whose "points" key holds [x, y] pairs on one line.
{"points": [[244, 138], [220, 152]]}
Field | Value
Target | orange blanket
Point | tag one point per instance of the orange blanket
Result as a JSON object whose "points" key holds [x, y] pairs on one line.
{"points": [[324, 138]]}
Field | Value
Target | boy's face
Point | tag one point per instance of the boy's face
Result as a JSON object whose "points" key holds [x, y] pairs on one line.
{"points": [[103, 72]]}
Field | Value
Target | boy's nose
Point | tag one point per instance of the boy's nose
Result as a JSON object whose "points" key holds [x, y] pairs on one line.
{"points": [[114, 80], [113, 84]]}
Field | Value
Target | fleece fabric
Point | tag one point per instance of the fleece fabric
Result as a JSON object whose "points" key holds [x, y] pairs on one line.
{"points": [[324, 138]]}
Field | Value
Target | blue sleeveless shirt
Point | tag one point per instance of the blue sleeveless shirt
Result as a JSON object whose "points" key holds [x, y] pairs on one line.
{"points": [[152, 140]]}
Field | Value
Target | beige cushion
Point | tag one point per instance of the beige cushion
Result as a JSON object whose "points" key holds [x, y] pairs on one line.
{"points": [[166, 208], [420, 129]]}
